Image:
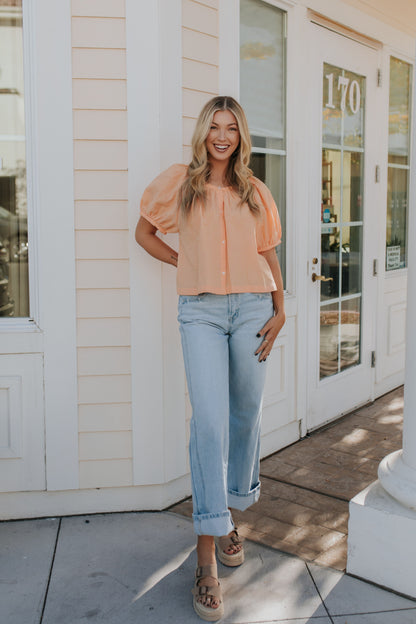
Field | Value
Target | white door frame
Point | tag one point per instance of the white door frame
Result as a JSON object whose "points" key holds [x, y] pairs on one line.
{"points": [[326, 398]]}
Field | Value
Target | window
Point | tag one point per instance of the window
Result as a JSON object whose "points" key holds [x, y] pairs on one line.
{"points": [[263, 97], [14, 282], [398, 164]]}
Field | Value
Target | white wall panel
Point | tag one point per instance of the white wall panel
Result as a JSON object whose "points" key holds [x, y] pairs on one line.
{"points": [[22, 444], [396, 334], [279, 395]]}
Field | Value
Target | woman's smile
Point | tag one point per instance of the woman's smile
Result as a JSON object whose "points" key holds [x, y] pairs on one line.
{"points": [[221, 148]]}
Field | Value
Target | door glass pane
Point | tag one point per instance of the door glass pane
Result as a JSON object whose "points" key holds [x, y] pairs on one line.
{"points": [[352, 186], [399, 110], [14, 285], [397, 185], [332, 114], [330, 262], [343, 205], [331, 186], [353, 93], [343, 107], [351, 245], [350, 333], [329, 343], [398, 164]]}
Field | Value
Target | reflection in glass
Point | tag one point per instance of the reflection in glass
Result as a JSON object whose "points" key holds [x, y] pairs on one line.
{"points": [[263, 96], [262, 68], [399, 109], [398, 167], [331, 186], [271, 169], [350, 333], [352, 187], [354, 109], [268, 142], [343, 107], [14, 287], [341, 219], [329, 348], [351, 246], [397, 160], [332, 113], [330, 262], [397, 186], [340, 336]]}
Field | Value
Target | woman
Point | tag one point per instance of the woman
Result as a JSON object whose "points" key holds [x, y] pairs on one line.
{"points": [[231, 310]]}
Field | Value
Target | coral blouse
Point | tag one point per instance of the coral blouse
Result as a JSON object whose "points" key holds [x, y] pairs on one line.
{"points": [[219, 242]]}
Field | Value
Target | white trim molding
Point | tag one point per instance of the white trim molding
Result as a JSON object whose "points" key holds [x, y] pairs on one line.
{"points": [[154, 101], [53, 199]]}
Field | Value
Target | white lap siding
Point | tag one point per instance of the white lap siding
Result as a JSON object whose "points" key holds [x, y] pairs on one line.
{"points": [[200, 74], [103, 311]]}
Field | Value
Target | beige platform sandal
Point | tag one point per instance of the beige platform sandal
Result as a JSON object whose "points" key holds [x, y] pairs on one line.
{"points": [[224, 542], [209, 614]]}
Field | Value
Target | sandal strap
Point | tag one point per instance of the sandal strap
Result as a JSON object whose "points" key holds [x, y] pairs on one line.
{"points": [[208, 570], [201, 589], [206, 590], [229, 540]]}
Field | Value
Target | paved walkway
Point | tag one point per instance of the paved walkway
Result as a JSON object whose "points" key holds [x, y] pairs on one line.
{"points": [[126, 568], [137, 568], [306, 487]]}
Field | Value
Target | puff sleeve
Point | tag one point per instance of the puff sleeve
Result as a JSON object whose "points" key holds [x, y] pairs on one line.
{"points": [[268, 226], [159, 203]]}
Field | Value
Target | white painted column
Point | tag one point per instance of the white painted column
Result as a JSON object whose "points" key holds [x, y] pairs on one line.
{"points": [[382, 525]]}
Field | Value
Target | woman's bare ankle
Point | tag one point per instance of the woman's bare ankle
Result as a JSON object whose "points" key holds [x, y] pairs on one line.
{"points": [[205, 549]]}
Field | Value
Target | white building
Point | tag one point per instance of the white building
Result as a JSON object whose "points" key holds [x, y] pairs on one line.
{"points": [[93, 406]]}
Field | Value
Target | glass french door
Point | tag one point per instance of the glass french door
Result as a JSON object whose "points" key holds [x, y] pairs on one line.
{"points": [[341, 328]]}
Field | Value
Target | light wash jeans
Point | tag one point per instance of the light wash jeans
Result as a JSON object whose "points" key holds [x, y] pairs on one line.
{"points": [[225, 383]]}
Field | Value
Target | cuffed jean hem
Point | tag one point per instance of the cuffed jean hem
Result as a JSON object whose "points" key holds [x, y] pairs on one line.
{"points": [[243, 501], [213, 523]]}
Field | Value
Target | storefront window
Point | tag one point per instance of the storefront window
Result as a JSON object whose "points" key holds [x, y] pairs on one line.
{"points": [[14, 285], [263, 97], [398, 164]]}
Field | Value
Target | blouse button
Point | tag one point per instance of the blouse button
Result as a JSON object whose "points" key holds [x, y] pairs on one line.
{"points": [[223, 272]]}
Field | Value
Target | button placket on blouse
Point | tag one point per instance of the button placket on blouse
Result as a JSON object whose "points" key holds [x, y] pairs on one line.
{"points": [[223, 242]]}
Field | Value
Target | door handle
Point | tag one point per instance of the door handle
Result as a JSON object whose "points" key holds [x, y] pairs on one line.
{"points": [[321, 278]]}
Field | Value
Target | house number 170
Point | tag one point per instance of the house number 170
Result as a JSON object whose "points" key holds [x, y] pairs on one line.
{"points": [[352, 90]]}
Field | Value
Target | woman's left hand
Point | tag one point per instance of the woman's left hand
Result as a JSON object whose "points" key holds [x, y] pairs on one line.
{"points": [[270, 331]]}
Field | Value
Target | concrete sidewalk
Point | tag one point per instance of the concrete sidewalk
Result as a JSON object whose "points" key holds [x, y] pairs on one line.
{"points": [[126, 568]]}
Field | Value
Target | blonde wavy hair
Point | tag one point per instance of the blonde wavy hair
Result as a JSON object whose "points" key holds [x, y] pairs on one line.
{"points": [[238, 172]]}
